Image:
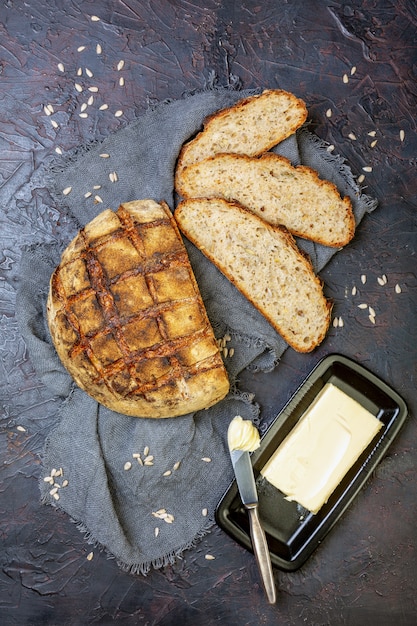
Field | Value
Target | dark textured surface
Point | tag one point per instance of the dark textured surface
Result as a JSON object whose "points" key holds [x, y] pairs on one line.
{"points": [[364, 572]]}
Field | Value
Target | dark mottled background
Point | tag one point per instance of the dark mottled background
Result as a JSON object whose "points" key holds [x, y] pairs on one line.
{"points": [[365, 571]]}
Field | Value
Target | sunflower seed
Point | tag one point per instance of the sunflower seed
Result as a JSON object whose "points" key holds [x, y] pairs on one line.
{"points": [[58, 150], [176, 465], [54, 124], [148, 462], [209, 557], [353, 70], [121, 81], [352, 136], [363, 279], [372, 318], [120, 65], [206, 459], [56, 496], [104, 155], [65, 483], [89, 72], [341, 322], [167, 473], [402, 135], [362, 306], [93, 89], [79, 71], [156, 531], [21, 429], [103, 107], [118, 113], [371, 311], [90, 100], [146, 450], [231, 352], [204, 512], [83, 107], [372, 133], [345, 78], [397, 288], [48, 479], [67, 190], [148, 458], [95, 18], [83, 115], [335, 322], [61, 67], [78, 87], [46, 110], [80, 48], [97, 199], [354, 290], [367, 168], [361, 178], [330, 148], [127, 465], [88, 194], [328, 113], [53, 491], [373, 143], [90, 556]]}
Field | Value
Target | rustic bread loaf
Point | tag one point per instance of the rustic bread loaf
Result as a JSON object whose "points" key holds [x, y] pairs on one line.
{"points": [[264, 263], [272, 188], [127, 319], [252, 126]]}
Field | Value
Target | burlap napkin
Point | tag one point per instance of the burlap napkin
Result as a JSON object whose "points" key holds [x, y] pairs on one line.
{"points": [[146, 515]]}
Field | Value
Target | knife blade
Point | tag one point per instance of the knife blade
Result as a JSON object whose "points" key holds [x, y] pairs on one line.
{"points": [[247, 488]]}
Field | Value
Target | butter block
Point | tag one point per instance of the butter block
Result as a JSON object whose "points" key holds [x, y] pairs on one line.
{"points": [[322, 447]]}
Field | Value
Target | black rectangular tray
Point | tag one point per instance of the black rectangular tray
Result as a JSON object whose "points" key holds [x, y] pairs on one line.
{"points": [[293, 532]]}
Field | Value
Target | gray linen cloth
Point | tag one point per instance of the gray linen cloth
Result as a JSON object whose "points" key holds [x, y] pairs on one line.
{"points": [[143, 516]]}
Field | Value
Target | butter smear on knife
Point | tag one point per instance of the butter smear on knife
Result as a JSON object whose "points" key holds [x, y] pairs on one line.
{"points": [[242, 435]]}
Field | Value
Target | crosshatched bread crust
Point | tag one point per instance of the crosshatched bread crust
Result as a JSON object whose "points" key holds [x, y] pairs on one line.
{"points": [[252, 126], [127, 319], [264, 263], [281, 194]]}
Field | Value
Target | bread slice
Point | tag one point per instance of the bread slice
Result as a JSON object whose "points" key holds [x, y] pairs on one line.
{"points": [[252, 126], [127, 319], [276, 191], [264, 263]]}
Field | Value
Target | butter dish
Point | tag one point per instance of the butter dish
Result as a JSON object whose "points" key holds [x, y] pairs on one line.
{"points": [[293, 532]]}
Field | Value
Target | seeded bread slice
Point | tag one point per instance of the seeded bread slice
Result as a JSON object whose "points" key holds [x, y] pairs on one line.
{"points": [[252, 126], [272, 188], [264, 263]]}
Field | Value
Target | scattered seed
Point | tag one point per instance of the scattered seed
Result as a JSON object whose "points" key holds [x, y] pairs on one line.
{"points": [[352, 136], [146, 450], [83, 115], [113, 177], [53, 471], [54, 124], [21, 429], [90, 100], [335, 322], [148, 458], [83, 107], [54, 491], [65, 483], [156, 531], [372, 133], [363, 279], [148, 462], [140, 460], [90, 556], [176, 465], [67, 190], [372, 318], [103, 107], [382, 280], [371, 311], [397, 288], [367, 168], [104, 155], [136, 455], [59, 472], [231, 352], [209, 557], [167, 473], [46, 110], [361, 178], [330, 148], [353, 70], [79, 71], [97, 187], [402, 135], [99, 49], [206, 459], [328, 113], [97, 199], [48, 479], [58, 150], [118, 113], [56, 496], [354, 290], [225, 352], [78, 87], [373, 143], [362, 306], [95, 18], [127, 465], [88, 194], [81, 48], [61, 67], [50, 108], [93, 89], [341, 322], [345, 78], [120, 65], [204, 512], [89, 72], [121, 81]]}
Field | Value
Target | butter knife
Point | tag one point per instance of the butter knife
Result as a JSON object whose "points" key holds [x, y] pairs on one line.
{"points": [[246, 483]]}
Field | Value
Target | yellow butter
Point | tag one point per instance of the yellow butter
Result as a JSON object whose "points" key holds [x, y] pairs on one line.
{"points": [[321, 448], [242, 435]]}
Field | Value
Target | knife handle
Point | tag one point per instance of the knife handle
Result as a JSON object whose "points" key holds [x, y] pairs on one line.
{"points": [[261, 551]]}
